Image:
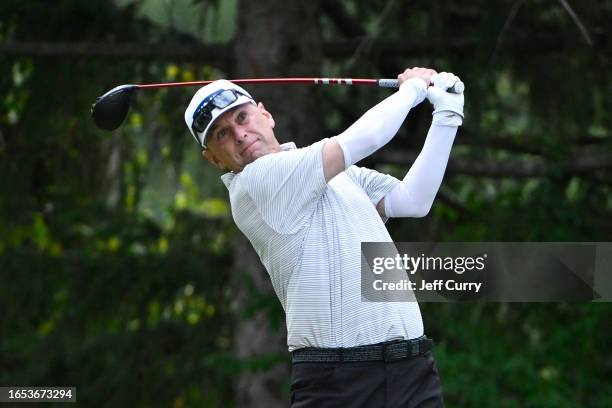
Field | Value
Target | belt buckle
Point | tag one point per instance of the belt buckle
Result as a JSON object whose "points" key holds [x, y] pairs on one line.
{"points": [[416, 345]]}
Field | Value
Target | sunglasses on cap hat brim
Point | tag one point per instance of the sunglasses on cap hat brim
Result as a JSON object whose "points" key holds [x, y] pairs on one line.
{"points": [[202, 115]]}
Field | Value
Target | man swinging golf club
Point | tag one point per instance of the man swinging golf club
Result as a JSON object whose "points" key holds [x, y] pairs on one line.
{"points": [[306, 211]]}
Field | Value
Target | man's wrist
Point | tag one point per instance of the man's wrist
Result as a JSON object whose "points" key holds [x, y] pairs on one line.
{"points": [[416, 85], [447, 118]]}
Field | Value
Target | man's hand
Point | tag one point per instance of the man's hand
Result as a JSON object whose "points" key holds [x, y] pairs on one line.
{"points": [[418, 79], [448, 107], [423, 73]]}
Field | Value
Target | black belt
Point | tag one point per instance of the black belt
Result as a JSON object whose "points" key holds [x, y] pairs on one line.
{"points": [[387, 351]]}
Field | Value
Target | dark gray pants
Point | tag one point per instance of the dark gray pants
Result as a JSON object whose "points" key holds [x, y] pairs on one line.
{"points": [[409, 383]]}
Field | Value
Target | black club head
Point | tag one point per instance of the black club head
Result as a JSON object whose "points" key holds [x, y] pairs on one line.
{"points": [[109, 110]]}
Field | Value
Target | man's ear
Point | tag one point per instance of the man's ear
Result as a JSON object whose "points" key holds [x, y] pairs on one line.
{"points": [[214, 160], [267, 114]]}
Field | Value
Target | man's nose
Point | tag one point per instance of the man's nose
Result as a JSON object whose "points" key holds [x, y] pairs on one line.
{"points": [[239, 135]]}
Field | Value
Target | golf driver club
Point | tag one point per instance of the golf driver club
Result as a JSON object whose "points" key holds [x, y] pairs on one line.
{"points": [[110, 110]]}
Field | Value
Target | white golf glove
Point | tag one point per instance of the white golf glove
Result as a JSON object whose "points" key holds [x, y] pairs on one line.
{"points": [[448, 107]]}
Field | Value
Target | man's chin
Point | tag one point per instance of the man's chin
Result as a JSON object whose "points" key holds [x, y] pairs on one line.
{"points": [[256, 154]]}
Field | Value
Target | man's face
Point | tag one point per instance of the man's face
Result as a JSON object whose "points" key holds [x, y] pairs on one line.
{"points": [[240, 136]]}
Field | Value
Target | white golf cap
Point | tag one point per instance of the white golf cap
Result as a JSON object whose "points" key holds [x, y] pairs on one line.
{"points": [[207, 91]]}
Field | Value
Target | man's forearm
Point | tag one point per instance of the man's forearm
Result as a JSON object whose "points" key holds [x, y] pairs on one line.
{"points": [[414, 196], [378, 125]]}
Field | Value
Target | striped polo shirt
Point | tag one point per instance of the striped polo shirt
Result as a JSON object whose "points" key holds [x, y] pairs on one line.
{"points": [[308, 235]]}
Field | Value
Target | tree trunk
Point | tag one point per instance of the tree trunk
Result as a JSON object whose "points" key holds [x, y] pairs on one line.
{"points": [[274, 40]]}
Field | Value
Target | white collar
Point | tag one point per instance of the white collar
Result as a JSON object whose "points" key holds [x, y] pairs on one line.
{"points": [[229, 176]]}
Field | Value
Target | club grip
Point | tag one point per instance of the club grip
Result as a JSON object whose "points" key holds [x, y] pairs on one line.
{"points": [[457, 88]]}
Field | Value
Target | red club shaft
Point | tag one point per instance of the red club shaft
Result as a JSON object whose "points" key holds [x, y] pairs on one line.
{"points": [[316, 81]]}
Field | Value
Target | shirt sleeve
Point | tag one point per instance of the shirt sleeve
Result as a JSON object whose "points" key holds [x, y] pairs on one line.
{"points": [[415, 195], [286, 186], [376, 185]]}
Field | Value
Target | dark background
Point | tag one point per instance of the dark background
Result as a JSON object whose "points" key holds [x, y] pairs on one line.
{"points": [[121, 272]]}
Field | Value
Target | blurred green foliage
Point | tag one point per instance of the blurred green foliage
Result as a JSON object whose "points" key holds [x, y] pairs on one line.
{"points": [[116, 249]]}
